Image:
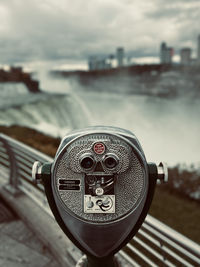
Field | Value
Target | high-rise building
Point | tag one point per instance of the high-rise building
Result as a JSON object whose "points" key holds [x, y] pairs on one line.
{"points": [[120, 56], [163, 47], [198, 50], [92, 63], [185, 54], [166, 54]]}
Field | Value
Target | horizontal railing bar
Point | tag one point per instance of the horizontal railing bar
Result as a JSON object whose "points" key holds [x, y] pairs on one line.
{"points": [[141, 255], [25, 147], [153, 252], [4, 155], [26, 177], [4, 173], [36, 196], [3, 150], [24, 168], [4, 162], [171, 242], [30, 151], [150, 238], [38, 187], [163, 247], [174, 235], [1, 144], [24, 161], [177, 257], [128, 258], [28, 156]]}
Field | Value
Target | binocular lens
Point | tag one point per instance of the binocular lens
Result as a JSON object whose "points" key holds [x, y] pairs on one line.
{"points": [[111, 162], [87, 162]]}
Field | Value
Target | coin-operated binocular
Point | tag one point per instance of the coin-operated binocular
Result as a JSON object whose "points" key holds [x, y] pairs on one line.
{"points": [[99, 188]]}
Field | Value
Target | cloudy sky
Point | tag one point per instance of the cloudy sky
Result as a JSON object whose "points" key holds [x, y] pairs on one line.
{"points": [[66, 32]]}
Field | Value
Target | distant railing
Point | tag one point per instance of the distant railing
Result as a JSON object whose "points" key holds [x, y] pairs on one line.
{"points": [[156, 244]]}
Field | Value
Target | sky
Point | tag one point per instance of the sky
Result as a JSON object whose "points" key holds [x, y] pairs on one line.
{"points": [[64, 33]]}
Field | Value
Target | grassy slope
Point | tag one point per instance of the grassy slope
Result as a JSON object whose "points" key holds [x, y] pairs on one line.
{"points": [[46, 144], [176, 211]]}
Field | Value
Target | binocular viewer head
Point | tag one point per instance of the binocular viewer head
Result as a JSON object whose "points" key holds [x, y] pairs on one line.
{"points": [[99, 188]]}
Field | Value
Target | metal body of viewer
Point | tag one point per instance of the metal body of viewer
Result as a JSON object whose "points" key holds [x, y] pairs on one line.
{"points": [[99, 188]]}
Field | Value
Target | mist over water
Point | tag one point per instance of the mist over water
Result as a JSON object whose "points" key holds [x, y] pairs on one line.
{"points": [[168, 129]]}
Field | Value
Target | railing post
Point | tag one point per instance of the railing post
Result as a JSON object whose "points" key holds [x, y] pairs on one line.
{"points": [[12, 185]]}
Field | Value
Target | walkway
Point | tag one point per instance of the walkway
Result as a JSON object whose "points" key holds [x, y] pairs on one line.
{"points": [[19, 247]]}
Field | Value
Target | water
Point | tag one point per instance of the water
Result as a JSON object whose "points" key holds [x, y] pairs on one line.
{"points": [[168, 129], [53, 114]]}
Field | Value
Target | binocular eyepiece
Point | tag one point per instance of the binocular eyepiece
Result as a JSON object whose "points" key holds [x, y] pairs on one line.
{"points": [[99, 188], [110, 161]]}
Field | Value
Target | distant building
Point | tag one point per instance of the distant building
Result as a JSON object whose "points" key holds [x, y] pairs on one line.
{"points": [[185, 54], [166, 54], [120, 56], [98, 63], [111, 59], [198, 50], [92, 63]]}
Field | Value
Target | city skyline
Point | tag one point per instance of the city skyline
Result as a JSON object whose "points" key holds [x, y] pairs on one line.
{"points": [[165, 56], [35, 33]]}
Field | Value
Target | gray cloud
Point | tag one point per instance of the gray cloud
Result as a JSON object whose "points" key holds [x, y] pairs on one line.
{"points": [[33, 30]]}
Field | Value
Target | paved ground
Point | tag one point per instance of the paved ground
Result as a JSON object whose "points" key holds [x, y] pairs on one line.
{"points": [[19, 247]]}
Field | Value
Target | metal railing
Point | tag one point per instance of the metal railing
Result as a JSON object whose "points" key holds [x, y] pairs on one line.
{"points": [[156, 244]]}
